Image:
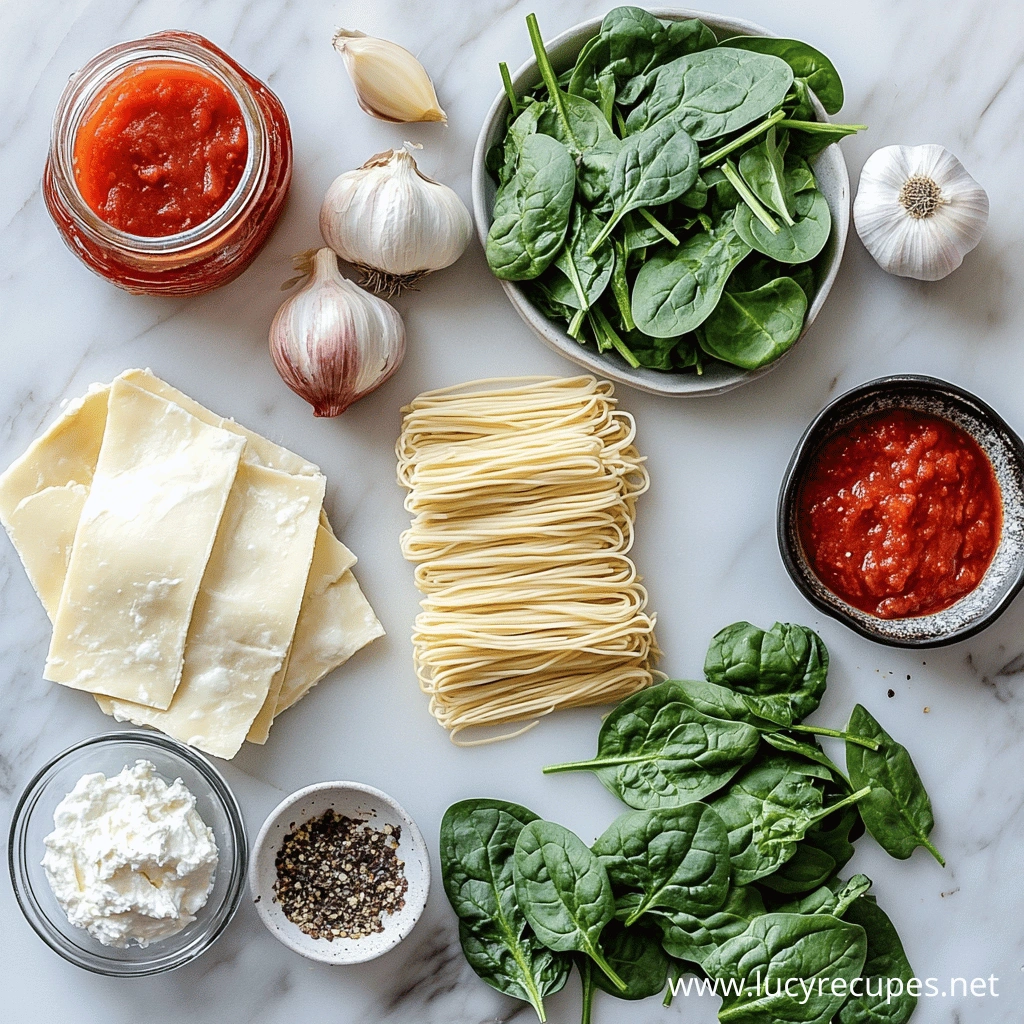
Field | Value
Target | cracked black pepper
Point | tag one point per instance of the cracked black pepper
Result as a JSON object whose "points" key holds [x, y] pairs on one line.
{"points": [[337, 877]]}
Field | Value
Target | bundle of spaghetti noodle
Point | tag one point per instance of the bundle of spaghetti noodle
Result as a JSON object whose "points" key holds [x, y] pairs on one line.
{"points": [[523, 496]]}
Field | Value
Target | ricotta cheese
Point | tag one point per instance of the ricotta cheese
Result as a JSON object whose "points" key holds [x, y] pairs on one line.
{"points": [[129, 858]]}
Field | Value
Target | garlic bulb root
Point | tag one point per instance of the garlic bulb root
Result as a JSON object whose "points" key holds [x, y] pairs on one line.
{"points": [[390, 83], [918, 211], [393, 223], [332, 342]]}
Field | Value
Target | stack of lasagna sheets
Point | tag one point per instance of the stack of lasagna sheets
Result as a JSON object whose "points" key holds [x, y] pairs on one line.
{"points": [[192, 578]]}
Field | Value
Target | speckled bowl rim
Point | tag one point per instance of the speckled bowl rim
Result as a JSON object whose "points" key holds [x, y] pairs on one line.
{"points": [[1005, 576], [262, 899], [834, 183]]}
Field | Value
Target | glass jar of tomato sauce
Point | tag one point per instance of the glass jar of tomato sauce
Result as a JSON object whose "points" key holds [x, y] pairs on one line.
{"points": [[181, 212]]}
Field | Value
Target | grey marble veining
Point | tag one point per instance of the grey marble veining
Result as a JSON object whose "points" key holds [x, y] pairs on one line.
{"points": [[916, 71]]}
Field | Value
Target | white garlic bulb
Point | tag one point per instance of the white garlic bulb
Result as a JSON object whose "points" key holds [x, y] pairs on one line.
{"points": [[918, 211], [332, 342], [390, 83], [392, 222]]}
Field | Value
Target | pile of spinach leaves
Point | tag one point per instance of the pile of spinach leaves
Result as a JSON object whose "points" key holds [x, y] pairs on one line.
{"points": [[659, 197], [728, 864]]}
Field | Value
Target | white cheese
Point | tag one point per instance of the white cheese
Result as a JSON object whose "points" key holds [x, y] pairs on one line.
{"points": [[245, 615], [141, 547], [130, 858]]}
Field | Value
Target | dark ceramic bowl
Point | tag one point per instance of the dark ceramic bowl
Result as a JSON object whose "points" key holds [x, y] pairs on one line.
{"points": [[1004, 577]]}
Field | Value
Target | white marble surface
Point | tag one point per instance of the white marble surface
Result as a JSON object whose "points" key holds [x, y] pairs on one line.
{"points": [[916, 71]]}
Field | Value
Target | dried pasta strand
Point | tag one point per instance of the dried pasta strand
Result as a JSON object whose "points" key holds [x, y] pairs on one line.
{"points": [[523, 495]]}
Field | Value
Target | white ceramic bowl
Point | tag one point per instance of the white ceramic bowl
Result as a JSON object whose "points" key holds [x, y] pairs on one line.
{"points": [[829, 167], [353, 800]]}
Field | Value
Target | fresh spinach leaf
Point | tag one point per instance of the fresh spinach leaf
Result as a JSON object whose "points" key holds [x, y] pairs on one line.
{"points": [[776, 948], [674, 857], [478, 840], [781, 673], [655, 751], [564, 891], [897, 812], [676, 290], [835, 835], [531, 211], [834, 898], [519, 130], [652, 167], [656, 353], [763, 169], [713, 92], [807, 869], [687, 937], [753, 329], [792, 244], [636, 956], [810, 751], [809, 65], [588, 274], [885, 959], [767, 810]]}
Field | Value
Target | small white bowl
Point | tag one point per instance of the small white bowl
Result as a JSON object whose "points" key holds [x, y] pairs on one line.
{"points": [[353, 800], [829, 167]]}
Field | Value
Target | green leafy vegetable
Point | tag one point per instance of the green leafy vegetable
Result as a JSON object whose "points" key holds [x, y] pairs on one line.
{"points": [[764, 171], [655, 751], [676, 858], [778, 947], [677, 289], [809, 65], [478, 839], [885, 960], [564, 891], [834, 898], [714, 92], [651, 168], [687, 937], [798, 243], [636, 956], [752, 329], [531, 211], [781, 673], [588, 274], [898, 812]]}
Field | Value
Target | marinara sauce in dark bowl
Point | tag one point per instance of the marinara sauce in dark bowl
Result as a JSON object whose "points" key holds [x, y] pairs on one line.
{"points": [[902, 512]]}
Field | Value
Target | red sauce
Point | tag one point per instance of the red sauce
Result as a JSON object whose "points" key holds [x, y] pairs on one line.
{"points": [[161, 150], [900, 514]]}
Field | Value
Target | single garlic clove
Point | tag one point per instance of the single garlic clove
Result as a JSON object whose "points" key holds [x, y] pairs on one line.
{"points": [[393, 223], [390, 82], [918, 211], [332, 342]]}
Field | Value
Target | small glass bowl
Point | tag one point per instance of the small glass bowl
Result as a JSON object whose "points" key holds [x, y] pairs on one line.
{"points": [[33, 820]]}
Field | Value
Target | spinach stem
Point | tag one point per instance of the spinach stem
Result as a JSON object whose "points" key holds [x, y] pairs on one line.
{"points": [[621, 122], [620, 287], [733, 176], [576, 323], [741, 140], [506, 81], [587, 984], [596, 762], [577, 284], [930, 847], [612, 335], [821, 126], [606, 970], [673, 977], [658, 226], [547, 72], [845, 802], [819, 730]]}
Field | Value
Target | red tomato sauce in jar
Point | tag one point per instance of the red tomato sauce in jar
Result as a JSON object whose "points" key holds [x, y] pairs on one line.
{"points": [[900, 514], [161, 150]]}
